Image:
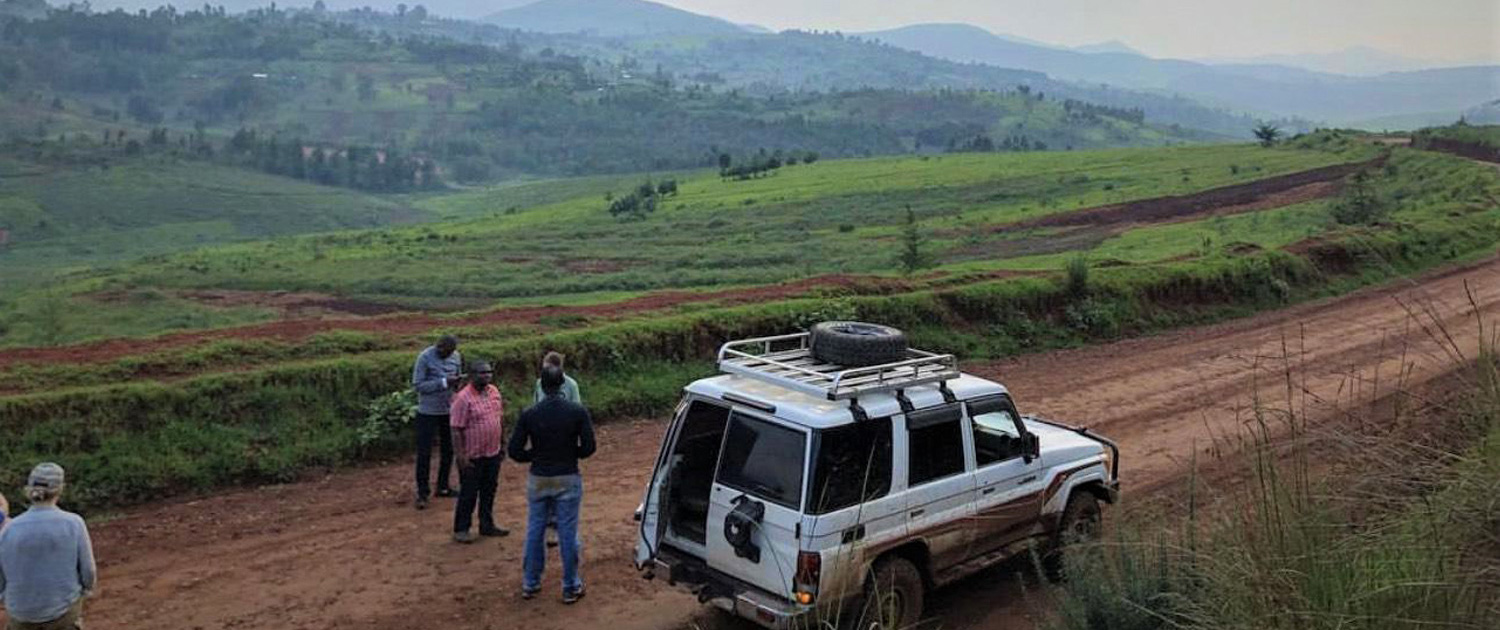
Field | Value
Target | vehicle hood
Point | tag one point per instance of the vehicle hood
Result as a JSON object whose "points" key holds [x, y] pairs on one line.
{"points": [[1060, 445]]}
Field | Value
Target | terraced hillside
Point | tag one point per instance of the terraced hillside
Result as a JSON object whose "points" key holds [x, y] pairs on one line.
{"points": [[1150, 239], [554, 241]]}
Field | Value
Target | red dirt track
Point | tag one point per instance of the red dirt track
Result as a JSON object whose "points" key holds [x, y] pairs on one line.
{"points": [[347, 551], [1260, 194]]}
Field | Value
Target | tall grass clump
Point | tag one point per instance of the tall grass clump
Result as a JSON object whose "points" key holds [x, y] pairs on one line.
{"points": [[1402, 534]]}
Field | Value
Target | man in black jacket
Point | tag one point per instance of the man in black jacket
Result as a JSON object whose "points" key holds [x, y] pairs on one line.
{"points": [[552, 436]]}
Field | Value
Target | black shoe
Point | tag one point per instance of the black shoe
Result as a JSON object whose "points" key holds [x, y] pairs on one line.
{"points": [[572, 596], [528, 593], [494, 532], [420, 503], [446, 493]]}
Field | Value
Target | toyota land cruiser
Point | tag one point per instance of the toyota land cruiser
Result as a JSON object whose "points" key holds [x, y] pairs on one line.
{"points": [[840, 474]]}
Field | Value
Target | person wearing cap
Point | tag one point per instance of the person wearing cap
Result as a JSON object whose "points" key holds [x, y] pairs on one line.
{"points": [[46, 559], [435, 376], [552, 436], [475, 417]]}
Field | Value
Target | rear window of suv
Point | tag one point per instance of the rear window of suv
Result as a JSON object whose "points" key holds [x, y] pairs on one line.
{"points": [[763, 459]]}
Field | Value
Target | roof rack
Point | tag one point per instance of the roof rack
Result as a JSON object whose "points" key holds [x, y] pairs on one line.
{"points": [[787, 361]]}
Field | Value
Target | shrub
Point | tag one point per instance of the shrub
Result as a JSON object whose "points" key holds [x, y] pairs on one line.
{"points": [[1078, 276], [386, 416]]}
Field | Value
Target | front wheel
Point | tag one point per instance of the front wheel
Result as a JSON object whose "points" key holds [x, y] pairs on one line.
{"points": [[1081, 522], [893, 596]]}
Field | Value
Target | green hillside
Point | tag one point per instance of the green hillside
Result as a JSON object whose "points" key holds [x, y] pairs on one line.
{"points": [[60, 216], [304, 94], [828, 217]]}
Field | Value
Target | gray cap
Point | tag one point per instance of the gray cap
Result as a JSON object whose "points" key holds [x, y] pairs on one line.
{"points": [[46, 476]]}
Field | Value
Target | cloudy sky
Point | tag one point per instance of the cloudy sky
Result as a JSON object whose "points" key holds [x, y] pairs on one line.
{"points": [[1436, 30]]}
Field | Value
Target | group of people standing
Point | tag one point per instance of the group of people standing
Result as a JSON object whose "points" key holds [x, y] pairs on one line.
{"points": [[463, 412], [46, 558]]}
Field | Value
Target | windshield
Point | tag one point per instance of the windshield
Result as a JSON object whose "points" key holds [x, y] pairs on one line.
{"points": [[763, 459]]}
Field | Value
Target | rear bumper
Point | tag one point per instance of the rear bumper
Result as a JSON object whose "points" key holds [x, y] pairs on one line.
{"points": [[712, 587]]}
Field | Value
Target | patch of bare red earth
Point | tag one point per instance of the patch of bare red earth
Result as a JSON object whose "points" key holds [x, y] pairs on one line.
{"points": [[415, 323], [348, 551], [1253, 196]]}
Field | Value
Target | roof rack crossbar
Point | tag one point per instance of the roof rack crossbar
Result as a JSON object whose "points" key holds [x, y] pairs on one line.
{"points": [[787, 361]]}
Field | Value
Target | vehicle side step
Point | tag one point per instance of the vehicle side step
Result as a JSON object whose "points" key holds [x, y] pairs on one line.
{"points": [[974, 565]]}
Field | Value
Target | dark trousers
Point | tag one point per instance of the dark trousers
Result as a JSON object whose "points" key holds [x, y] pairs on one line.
{"points": [[476, 484], [427, 426]]}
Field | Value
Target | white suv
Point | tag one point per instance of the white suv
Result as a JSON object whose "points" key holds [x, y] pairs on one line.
{"points": [[793, 490]]}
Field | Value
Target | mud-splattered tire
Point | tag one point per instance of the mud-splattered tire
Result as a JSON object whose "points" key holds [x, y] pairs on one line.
{"points": [[893, 596], [857, 343], [1080, 524]]}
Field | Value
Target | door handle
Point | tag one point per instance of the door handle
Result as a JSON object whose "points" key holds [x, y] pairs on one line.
{"points": [[989, 490], [916, 513], [1026, 480]]}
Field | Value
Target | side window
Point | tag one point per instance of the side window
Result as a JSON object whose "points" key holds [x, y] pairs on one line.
{"points": [[763, 459], [997, 433], [935, 444], [853, 465]]}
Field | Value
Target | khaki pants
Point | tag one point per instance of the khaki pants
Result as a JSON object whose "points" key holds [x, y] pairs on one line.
{"points": [[71, 620]]}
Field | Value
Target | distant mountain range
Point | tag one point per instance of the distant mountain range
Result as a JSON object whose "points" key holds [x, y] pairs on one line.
{"points": [[611, 18], [1356, 61], [1262, 88], [1356, 86]]}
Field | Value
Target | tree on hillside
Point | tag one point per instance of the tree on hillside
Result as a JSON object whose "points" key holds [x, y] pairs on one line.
{"points": [[1267, 134], [1358, 204], [912, 257]]}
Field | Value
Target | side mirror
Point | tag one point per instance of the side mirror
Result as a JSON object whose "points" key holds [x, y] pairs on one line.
{"points": [[1033, 446]]}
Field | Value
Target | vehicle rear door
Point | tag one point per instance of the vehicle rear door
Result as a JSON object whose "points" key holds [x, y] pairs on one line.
{"points": [[1007, 479], [653, 522], [760, 468], [940, 483]]}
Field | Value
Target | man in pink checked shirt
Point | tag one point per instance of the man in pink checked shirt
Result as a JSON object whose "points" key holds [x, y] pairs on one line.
{"points": [[475, 418]]}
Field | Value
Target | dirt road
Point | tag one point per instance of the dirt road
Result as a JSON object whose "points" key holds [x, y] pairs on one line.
{"points": [[348, 551]]}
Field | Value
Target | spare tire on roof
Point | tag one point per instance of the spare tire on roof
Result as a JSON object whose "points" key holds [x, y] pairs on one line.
{"points": [[857, 344]]}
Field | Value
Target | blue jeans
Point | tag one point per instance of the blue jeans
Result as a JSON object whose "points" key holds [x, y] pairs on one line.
{"points": [[552, 498]]}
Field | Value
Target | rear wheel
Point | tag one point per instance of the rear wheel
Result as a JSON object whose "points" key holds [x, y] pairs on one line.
{"points": [[893, 596], [1081, 523]]}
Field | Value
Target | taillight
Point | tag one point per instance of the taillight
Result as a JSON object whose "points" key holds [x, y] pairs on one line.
{"points": [[809, 571]]}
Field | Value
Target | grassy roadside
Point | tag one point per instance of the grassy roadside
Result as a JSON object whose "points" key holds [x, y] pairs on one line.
{"points": [[1391, 527]]}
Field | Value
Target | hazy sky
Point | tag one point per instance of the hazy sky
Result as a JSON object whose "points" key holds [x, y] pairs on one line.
{"points": [[1437, 30]]}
